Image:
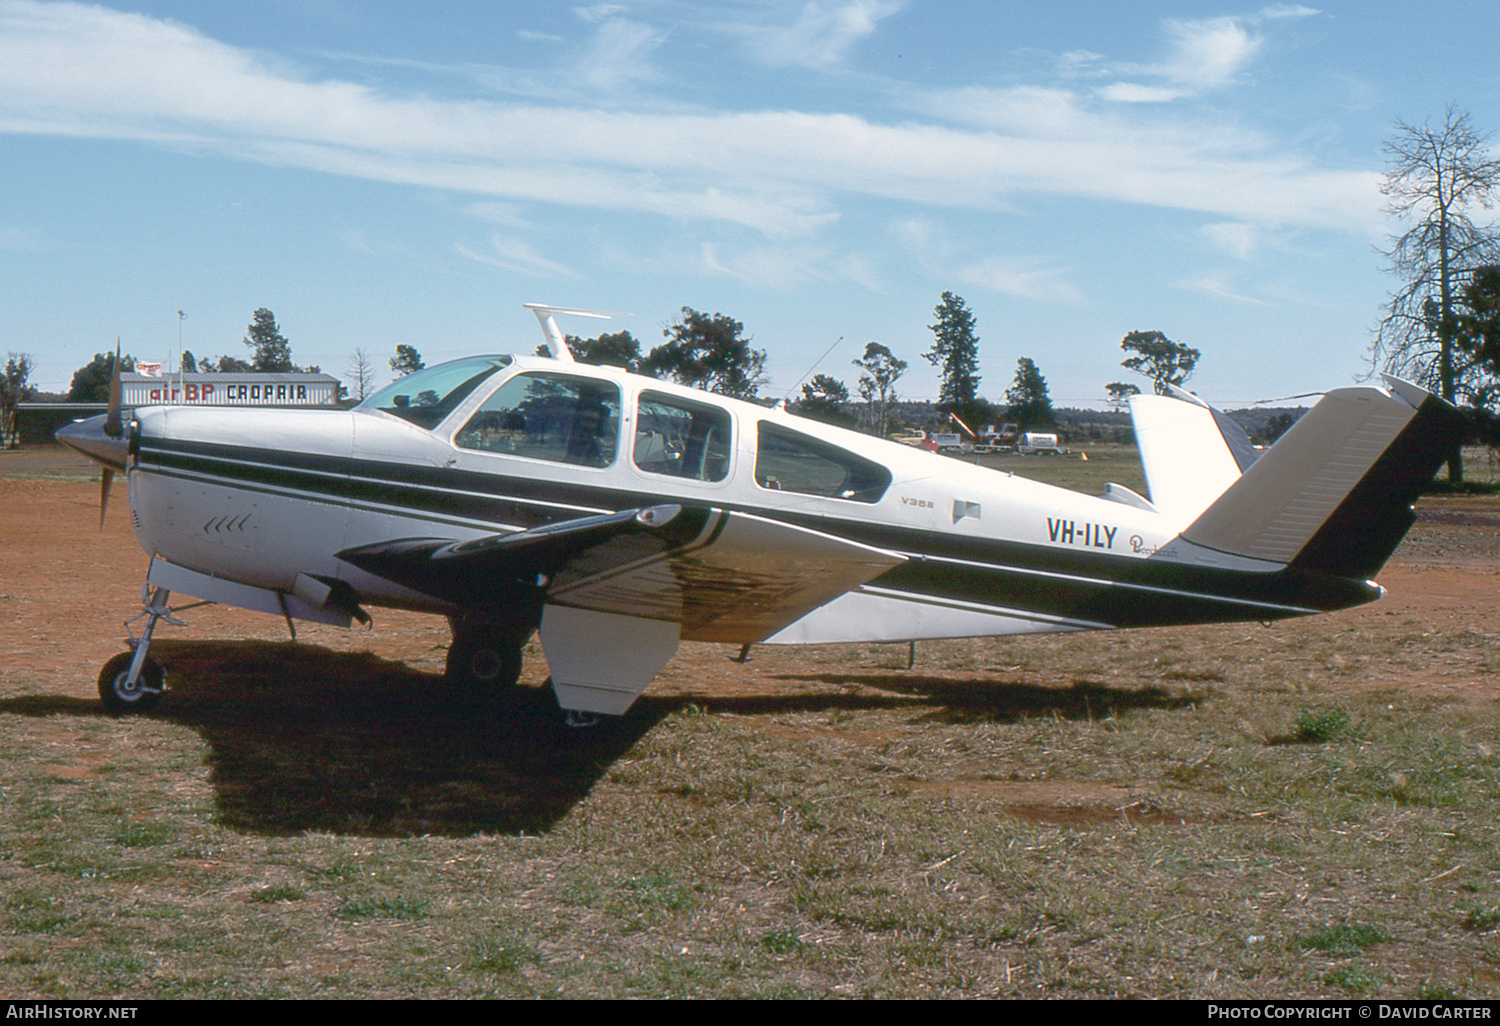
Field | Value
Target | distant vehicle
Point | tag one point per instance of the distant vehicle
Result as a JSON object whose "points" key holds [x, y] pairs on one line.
{"points": [[1001, 439], [950, 442], [1037, 443]]}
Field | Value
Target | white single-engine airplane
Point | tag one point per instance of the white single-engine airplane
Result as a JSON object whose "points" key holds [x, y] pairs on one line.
{"points": [[618, 514]]}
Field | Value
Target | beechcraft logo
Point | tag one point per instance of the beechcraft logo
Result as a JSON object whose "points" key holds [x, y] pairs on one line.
{"points": [[1071, 532]]}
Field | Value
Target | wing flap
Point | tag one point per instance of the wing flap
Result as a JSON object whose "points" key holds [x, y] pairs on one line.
{"points": [[722, 576], [743, 579]]}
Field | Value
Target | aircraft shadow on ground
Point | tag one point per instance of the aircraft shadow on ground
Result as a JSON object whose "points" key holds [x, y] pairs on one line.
{"points": [[303, 738], [956, 699]]}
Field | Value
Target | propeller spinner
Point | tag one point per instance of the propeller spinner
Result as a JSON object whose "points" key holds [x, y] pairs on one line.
{"points": [[102, 439]]}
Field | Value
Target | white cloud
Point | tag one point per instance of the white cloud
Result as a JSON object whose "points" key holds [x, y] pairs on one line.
{"points": [[618, 56], [783, 267], [516, 255], [599, 12], [1031, 111], [91, 72], [1209, 54], [1219, 284], [1081, 63], [1134, 92], [1023, 279], [1278, 11], [1236, 238], [1203, 55], [500, 213], [821, 36], [767, 267]]}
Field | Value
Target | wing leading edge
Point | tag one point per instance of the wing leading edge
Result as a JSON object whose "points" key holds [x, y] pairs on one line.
{"points": [[617, 592]]}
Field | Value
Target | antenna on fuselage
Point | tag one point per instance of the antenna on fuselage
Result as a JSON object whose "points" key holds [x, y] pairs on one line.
{"points": [[557, 342], [807, 374]]}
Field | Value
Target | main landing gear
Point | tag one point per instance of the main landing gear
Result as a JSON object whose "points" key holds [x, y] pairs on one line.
{"points": [[133, 682], [488, 655], [485, 655]]}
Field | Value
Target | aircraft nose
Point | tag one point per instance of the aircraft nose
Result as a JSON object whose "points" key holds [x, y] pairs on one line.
{"points": [[89, 438]]}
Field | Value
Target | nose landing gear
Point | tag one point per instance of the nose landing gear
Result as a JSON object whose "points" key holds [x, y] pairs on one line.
{"points": [[133, 682]]}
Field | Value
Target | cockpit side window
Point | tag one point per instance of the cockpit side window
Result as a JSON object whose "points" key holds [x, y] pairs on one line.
{"points": [[548, 417], [793, 462], [429, 395], [681, 439]]}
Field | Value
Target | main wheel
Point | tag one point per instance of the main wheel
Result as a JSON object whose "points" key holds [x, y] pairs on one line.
{"points": [[484, 661], [135, 698]]}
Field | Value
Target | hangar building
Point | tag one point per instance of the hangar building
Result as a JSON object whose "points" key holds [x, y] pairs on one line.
{"points": [[37, 422]]}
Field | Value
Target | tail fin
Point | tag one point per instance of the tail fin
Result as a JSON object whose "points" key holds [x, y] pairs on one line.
{"points": [[1334, 494], [1190, 451]]}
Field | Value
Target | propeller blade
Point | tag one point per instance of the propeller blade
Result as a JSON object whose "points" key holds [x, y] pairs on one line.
{"points": [[112, 423], [107, 479]]}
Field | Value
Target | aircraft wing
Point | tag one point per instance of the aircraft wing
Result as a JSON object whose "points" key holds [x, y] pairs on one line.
{"points": [[720, 576]]}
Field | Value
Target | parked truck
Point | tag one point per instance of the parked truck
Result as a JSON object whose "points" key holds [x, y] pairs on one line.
{"points": [[1037, 443]]}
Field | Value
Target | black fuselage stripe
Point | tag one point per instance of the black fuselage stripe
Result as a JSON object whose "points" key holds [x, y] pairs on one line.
{"points": [[1099, 587]]}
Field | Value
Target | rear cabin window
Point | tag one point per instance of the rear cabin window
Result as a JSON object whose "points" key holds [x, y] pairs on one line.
{"points": [[681, 439], [791, 462], [548, 417]]}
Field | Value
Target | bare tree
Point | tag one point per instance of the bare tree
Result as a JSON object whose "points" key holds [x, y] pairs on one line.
{"points": [[1438, 176], [361, 373]]}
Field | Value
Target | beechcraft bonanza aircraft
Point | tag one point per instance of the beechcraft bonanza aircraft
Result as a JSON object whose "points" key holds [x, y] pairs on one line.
{"points": [[618, 514]]}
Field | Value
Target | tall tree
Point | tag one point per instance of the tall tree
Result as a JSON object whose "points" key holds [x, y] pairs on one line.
{"points": [[1438, 177], [823, 399], [91, 381], [189, 364], [955, 351], [877, 385], [14, 388], [406, 361], [708, 351], [273, 353], [1029, 402], [1476, 337], [1159, 358]]}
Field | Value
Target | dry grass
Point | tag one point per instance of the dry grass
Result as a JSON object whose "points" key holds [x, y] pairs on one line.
{"points": [[1109, 815]]}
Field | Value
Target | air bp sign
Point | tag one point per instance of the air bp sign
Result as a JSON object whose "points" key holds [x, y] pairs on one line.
{"points": [[229, 390]]}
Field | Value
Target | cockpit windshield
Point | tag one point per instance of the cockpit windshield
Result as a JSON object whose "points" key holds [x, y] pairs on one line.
{"points": [[426, 396]]}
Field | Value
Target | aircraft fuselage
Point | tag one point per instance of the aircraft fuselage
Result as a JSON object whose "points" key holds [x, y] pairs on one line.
{"points": [[263, 496]]}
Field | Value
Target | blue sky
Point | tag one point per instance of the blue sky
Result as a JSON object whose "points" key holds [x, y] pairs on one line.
{"points": [[384, 173]]}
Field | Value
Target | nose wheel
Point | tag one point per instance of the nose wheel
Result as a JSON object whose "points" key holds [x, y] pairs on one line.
{"points": [[133, 682], [124, 692]]}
